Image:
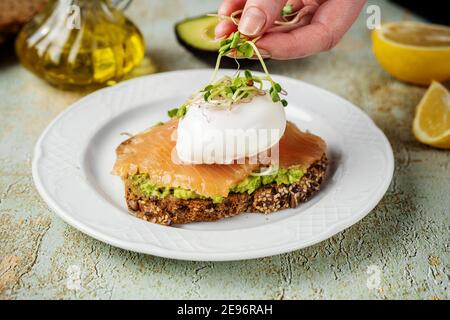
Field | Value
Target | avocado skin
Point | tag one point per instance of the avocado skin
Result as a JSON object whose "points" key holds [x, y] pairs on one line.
{"points": [[208, 56]]}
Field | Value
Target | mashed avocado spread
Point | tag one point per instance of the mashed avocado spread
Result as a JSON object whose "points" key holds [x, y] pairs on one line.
{"points": [[143, 185]]}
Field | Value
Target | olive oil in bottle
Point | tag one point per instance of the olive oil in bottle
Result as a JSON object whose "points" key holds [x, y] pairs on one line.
{"points": [[80, 44]]}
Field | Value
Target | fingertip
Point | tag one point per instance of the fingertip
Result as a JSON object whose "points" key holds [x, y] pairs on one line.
{"points": [[259, 15], [229, 6], [224, 28]]}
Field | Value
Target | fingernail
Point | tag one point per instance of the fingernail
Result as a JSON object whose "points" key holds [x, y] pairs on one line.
{"points": [[252, 22]]}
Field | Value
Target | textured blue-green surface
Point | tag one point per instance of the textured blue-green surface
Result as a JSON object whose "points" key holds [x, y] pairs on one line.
{"points": [[405, 238]]}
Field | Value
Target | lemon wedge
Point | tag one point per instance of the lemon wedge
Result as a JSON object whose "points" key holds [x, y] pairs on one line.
{"points": [[432, 122], [413, 52]]}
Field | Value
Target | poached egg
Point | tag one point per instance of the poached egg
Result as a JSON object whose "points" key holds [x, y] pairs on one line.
{"points": [[209, 134]]}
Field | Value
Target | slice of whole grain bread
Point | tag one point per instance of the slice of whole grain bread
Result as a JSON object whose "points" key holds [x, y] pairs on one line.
{"points": [[266, 199]]}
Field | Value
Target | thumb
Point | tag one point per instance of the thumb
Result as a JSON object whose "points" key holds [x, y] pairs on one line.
{"points": [[259, 15]]}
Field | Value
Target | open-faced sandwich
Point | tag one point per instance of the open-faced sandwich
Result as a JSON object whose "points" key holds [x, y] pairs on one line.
{"points": [[227, 150]]}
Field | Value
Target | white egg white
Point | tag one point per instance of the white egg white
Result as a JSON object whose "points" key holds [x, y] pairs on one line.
{"points": [[208, 134]]}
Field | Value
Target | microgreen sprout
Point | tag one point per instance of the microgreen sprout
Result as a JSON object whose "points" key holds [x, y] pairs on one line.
{"points": [[178, 112], [240, 88], [293, 18], [231, 90], [287, 10], [237, 45]]}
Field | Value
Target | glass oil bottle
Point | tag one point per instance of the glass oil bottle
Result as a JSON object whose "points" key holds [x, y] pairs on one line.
{"points": [[80, 44]]}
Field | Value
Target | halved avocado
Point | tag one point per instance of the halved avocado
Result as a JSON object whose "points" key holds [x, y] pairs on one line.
{"points": [[197, 36]]}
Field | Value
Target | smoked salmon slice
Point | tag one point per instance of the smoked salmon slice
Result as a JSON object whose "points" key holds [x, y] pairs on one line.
{"points": [[153, 152], [299, 148]]}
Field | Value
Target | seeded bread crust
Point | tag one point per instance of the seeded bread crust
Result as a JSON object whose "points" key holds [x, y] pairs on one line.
{"points": [[266, 199]]}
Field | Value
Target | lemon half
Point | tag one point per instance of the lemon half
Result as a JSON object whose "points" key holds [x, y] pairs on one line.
{"points": [[413, 52]]}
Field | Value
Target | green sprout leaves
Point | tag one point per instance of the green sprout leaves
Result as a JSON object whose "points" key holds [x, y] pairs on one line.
{"points": [[178, 112], [235, 40], [236, 45], [287, 10], [172, 112], [231, 90], [275, 92], [246, 50], [240, 46]]}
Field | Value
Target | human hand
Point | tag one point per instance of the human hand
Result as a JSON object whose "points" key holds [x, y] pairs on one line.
{"points": [[321, 25]]}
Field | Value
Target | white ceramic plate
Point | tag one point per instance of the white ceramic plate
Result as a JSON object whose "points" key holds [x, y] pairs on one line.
{"points": [[75, 154]]}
